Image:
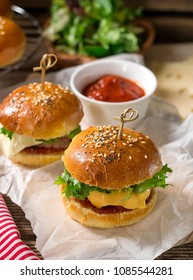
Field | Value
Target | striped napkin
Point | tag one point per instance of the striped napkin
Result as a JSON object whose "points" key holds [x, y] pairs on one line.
{"points": [[11, 246]]}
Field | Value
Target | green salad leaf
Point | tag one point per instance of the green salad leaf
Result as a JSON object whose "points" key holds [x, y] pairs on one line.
{"points": [[74, 132], [96, 28], [6, 132], [81, 191], [158, 180], [76, 188]]}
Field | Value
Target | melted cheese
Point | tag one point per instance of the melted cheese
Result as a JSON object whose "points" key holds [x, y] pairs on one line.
{"points": [[16, 144], [100, 199]]}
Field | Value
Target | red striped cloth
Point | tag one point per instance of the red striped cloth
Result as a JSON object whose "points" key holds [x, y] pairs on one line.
{"points": [[11, 246]]}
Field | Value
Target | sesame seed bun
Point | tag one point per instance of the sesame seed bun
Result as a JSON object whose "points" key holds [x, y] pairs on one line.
{"points": [[12, 42], [112, 217], [5, 8], [97, 158], [47, 114]]}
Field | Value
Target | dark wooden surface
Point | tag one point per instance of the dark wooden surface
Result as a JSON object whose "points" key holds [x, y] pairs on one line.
{"points": [[173, 22]]}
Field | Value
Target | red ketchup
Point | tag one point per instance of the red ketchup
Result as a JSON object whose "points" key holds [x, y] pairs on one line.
{"points": [[112, 88]]}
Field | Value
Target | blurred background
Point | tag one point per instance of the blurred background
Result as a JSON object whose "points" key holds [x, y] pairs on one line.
{"points": [[173, 19], [169, 29], [167, 43]]}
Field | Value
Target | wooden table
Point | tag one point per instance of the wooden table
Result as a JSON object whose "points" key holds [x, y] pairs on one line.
{"points": [[40, 9]]}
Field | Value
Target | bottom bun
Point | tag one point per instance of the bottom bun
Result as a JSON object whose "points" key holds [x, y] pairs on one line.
{"points": [[91, 216], [36, 160]]}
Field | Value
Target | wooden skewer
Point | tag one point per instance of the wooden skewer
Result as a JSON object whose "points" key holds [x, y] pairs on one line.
{"points": [[133, 115], [45, 63]]}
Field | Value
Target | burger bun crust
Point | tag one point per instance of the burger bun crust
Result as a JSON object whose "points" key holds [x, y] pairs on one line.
{"points": [[111, 163], [41, 114]]}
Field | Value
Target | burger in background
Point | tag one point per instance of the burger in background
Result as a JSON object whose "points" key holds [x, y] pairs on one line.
{"points": [[36, 125], [12, 42], [110, 181]]}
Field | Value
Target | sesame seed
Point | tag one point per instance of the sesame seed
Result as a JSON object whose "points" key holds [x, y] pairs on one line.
{"points": [[106, 137]]}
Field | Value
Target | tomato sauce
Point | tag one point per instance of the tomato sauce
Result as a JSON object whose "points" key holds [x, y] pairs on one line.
{"points": [[112, 88]]}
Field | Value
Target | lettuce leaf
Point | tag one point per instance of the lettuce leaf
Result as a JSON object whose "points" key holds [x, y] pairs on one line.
{"points": [[74, 132], [76, 188], [6, 132], [81, 191], [97, 28], [158, 180]]}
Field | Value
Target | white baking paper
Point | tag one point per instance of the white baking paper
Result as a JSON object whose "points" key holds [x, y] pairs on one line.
{"points": [[59, 237]]}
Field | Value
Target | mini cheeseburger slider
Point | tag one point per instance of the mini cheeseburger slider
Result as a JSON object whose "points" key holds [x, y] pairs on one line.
{"points": [[109, 181], [36, 125]]}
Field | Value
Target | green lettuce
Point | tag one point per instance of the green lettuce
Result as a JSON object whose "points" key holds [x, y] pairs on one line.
{"points": [[6, 132], [74, 132], [158, 180], [96, 28], [81, 191]]}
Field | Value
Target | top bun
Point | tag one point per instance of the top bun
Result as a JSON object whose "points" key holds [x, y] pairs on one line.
{"points": [[12, 42], [97, 158], [39, 114], [5, 8]]}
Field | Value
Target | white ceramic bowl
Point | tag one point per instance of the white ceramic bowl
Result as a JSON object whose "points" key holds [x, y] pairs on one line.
{"points": [[100, 112]]}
